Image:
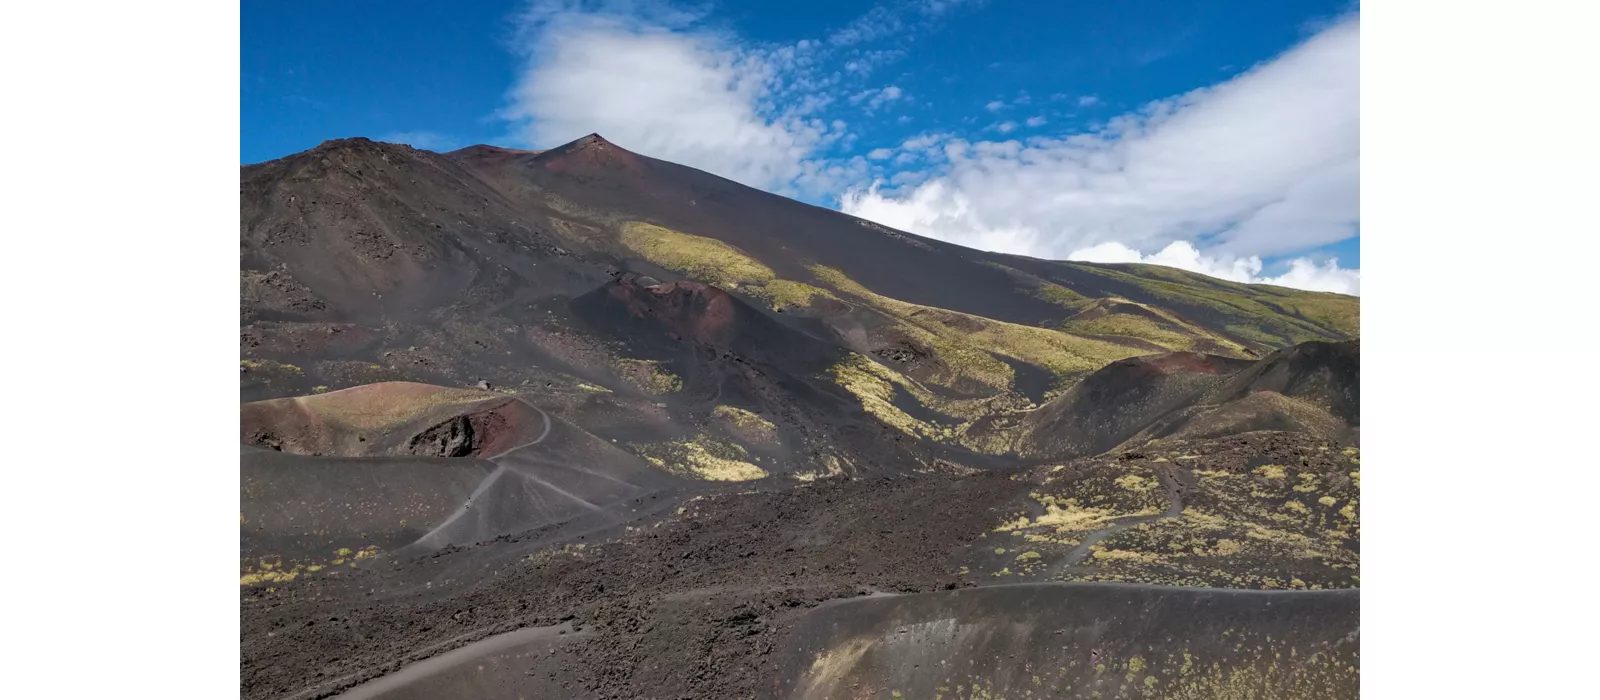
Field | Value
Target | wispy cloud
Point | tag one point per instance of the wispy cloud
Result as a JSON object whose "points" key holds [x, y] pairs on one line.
{"points": [[871, 100], [896, 19], [1263, 165]]}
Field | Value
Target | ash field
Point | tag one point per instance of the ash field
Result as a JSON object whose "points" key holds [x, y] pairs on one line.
{"points": [[580, 423]]}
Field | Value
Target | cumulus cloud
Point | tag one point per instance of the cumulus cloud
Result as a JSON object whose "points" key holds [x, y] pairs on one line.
{"points": [[1303, 273], [995, 106], [1260, 166], [1036, 121], [1088, 101]]}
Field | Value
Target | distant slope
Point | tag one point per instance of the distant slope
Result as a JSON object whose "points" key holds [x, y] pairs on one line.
{"points": [[1115, 403], [1311, 388], [609, 186]]}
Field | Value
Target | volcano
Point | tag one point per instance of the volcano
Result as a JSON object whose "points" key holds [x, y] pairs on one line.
{"points": [[580, 422]]}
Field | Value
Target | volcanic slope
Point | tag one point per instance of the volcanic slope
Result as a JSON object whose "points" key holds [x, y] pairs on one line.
{"points": [[365, 262]]}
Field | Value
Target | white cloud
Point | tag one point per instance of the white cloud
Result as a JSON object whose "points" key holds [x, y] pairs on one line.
{"points": [[1303, 273], [995, 106], [1036, 121], [877, 23], [1088, 101], [867, 61], [648, 83], [880, 154], [1005, 127], [884, 21], [1263, 165], [877, 98]]}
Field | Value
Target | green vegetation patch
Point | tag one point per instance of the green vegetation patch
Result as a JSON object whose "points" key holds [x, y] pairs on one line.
{"points": [[1079, 503], [701, 457], [270, 367], [787, 294], [1272, 527], [1270, 315], [874, 385], [745, 423], [648, 376], [273, 569], [964, 342], [697, 257]]}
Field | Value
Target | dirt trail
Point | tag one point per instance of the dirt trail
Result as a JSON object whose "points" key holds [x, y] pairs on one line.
{"points": [[1171, 481], [542, 435], [945, 626], [433, 539], [475, 653]]}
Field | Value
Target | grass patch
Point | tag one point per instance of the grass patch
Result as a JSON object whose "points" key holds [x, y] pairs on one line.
{"points": [[701, 457], [697, 257], [745, 424], [787, 294], [648, 376], [1270, 315], [964, 341]]}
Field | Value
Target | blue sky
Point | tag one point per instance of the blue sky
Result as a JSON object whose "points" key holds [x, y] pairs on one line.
{"points": [[1217, 136]]}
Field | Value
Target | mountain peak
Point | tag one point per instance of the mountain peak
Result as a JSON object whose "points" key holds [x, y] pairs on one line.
{"points": [[584, 143]]}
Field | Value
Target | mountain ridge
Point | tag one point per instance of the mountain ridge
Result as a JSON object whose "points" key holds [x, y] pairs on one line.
{"points": [[363, 261]]}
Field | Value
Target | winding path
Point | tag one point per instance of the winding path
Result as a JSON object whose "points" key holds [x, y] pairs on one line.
{"points": [[535, 441], [1174, 488], [432, 538]]}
